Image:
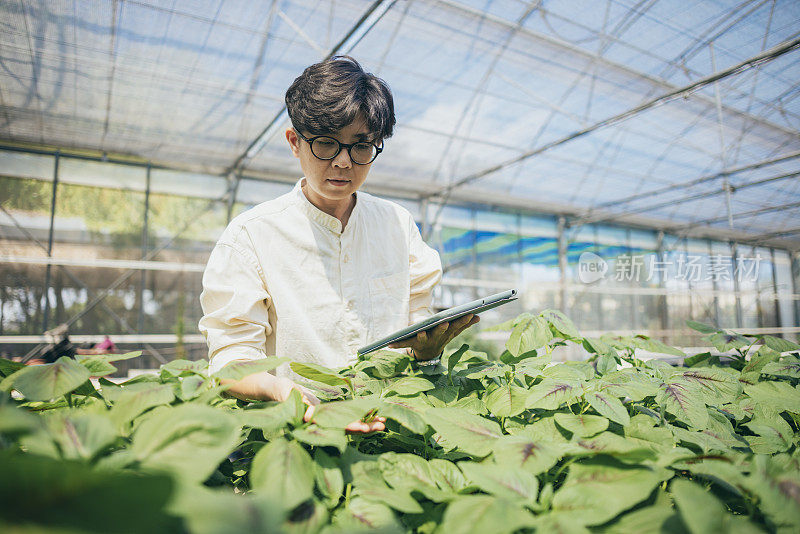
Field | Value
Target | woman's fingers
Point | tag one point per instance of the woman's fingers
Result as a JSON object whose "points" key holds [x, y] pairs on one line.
{"points": [[309, 413]]}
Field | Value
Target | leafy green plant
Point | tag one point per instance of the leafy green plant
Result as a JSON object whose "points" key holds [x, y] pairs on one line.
{"points": [[503, 442]]}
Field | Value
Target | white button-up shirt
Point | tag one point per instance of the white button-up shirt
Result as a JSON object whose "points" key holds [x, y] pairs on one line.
{"points": [[285, 279]]}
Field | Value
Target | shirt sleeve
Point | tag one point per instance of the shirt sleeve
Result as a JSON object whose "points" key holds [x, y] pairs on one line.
{"points": [[425, 270], [235, 306]]}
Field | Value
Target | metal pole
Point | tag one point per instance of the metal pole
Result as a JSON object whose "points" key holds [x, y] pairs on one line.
{"points": [[562, 263], [143, 274], [234, 189], [775, 300], [715, 288], [663, 310], [50, 243], [734, 254]]}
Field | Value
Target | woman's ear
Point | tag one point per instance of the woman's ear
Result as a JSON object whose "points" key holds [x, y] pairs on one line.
{"points": [[294, 141]]}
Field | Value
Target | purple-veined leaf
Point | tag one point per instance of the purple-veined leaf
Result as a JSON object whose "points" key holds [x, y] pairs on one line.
{"points": [[551, 393], [506, 400], [608, 406], [682, 400], [471, 433]]}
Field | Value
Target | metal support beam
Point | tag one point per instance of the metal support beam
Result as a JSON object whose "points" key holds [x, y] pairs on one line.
{"points": [[604, 62], [715, 288], [50, 235], [562, 264], [143, 273], [663, 311], [776, 302], [233, 187], [760, 59]]}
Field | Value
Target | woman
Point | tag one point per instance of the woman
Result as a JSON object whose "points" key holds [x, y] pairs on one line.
{"points": [[323, 270]]}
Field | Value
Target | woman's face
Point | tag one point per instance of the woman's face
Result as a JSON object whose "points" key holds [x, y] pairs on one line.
{"points": [[331, 183]]}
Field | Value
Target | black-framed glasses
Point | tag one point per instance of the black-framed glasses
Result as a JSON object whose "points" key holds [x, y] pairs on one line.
{"points": [[327, 148]]}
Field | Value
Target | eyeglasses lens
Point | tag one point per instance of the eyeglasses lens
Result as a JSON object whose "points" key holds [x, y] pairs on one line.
{"points": [[328, 148]]}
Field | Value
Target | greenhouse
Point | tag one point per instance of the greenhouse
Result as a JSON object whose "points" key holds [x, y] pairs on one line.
{"points": [[631, 168]]}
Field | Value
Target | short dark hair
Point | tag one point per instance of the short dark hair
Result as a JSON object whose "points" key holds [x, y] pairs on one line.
{"points": [[328, 96]]}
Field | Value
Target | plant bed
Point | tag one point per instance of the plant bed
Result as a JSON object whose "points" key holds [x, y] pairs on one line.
{"points": [[479, 443]]}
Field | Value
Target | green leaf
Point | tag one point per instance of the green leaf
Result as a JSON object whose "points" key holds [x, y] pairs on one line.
{"points": [[447, 475], [363, 514], [684, 402], [714, 383], [15, 421], [339, 414], [80, 435], [9, 367], [701, 327], [599, 347], [321, 437], [608, 406], [130, 401], [570, 371], [410, 385], [581, 426], [484, 513], [283, 471], [551, 393], [79, 498], [561, 323], [208, 511], [653, 345], [724, 342], [368, 482], [188, 441], [652, 519], [606, 364], [191, 387], [596, 491], [704, 359], [46, 382], [774, 435], [781, 345], [778, 396], [183, 367], [701, 512], [521, 452], [274, 417], [471, 433], [98, 366], [404, 413], [328, 476], [506, 400], [385, 363], [455, 357], [529, 334], [318, 373], [409, 471], [631, 382], [777, 488], [788, 367], [237, 370], [508, 482]]}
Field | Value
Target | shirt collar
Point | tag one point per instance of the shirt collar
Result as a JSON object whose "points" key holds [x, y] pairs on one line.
{"points": [[315, 214]]}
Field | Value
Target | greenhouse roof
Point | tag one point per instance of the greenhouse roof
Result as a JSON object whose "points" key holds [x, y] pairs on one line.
{"points": [[670, 114]]}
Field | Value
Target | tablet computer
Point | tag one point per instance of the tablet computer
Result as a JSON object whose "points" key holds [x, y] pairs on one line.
{"points": [[476, 307]]}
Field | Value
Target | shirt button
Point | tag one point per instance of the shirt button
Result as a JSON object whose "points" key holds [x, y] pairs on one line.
{"points": [[346, 258], [349, 305]]}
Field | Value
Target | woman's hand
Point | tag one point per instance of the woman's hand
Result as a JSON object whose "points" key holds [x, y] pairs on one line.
{"points": [[429, 344], [266, 386]]}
